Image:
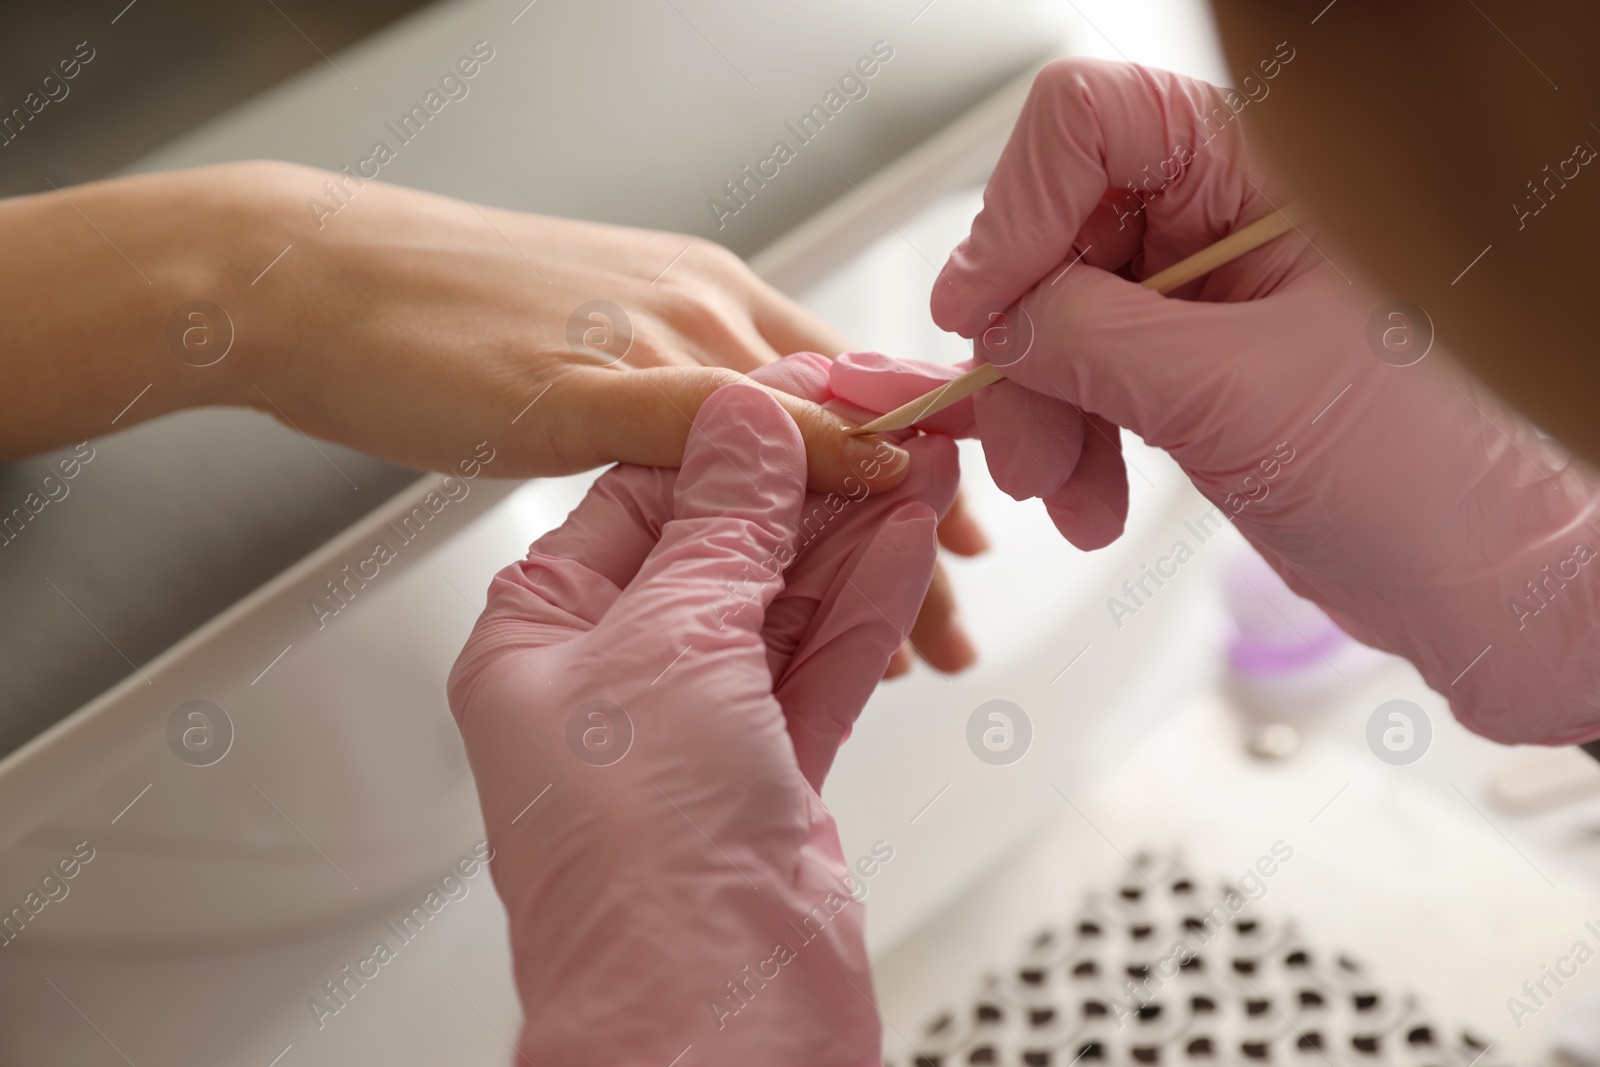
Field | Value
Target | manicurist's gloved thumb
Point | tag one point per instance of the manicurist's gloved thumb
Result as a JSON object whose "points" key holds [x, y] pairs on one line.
{"points": [[736, 509]]}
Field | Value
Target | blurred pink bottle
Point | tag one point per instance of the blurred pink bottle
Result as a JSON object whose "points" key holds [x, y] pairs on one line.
{"points": [[1289, 664]]}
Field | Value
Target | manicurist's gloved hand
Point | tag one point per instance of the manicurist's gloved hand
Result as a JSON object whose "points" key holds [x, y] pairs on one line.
{"points": [[650, 702], [1428, 519]]}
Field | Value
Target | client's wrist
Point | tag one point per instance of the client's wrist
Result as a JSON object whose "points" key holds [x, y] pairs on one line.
{"points": [[232, 316]]}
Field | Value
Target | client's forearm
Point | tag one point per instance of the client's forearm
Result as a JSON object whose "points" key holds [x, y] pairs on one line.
{"points": [[103, 284]]}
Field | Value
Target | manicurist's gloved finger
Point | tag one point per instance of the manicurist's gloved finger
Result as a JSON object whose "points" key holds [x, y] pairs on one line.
{"points": [[1031, 440], [1091, 509], [1143, 361], [1089, 126], [607, 535], [572, 575], [1036, 444], [729, 514], [937, 636], [864, 612], [863, 568], [873, 381], [734, 527]]}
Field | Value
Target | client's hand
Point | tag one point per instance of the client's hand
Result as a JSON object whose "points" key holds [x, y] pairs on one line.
{"points": [[412, 326], [650, 703]]}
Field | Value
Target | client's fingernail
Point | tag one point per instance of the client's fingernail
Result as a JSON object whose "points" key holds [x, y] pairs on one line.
{"points": [[874, 458]]}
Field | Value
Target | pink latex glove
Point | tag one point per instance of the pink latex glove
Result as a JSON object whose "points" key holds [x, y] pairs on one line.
{"points": [[689, 899], [1423, 515]]}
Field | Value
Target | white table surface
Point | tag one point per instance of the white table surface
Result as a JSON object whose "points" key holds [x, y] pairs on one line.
{"points": [[1411, 869]]}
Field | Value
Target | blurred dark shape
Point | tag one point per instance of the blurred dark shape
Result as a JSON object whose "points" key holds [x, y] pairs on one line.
{"points": [[161, 69]]}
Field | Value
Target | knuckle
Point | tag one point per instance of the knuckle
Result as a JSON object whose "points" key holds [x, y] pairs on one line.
{"points": [[700, 316], [717, 259], [721, 376], [711, 379]]}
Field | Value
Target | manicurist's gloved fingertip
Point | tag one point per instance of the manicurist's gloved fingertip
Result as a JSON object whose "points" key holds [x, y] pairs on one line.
{"points": [[1091, 510]]}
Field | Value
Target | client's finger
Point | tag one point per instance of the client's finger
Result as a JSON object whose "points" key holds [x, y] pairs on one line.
{"points": [[644, 417], [960, 532], [937, 635], [857, 627]]}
